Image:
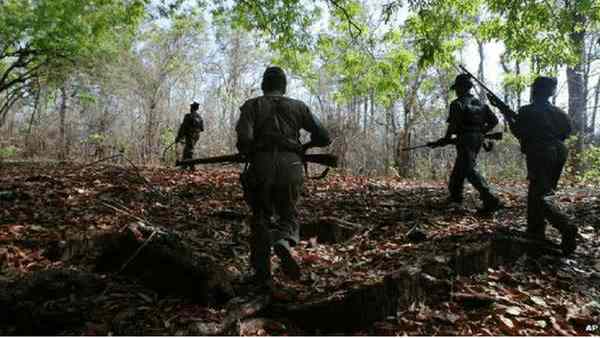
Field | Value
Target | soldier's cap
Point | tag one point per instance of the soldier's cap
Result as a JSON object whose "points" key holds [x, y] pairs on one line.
{"points": [[462, 81], [274, 79], [274, 71], [195, 105]]}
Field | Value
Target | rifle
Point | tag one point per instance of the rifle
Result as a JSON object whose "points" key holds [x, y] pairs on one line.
{"points": [[323, 159], [444, 142], [497, 102]]}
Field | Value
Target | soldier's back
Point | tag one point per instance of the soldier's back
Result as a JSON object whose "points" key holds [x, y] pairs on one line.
{"points": [[264, 122], [541, 124], [276, 114]]}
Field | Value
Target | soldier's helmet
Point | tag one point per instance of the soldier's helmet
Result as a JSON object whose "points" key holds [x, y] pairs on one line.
{"points": [[194, 106], [544, 86], [274, 79], [462, 81]]}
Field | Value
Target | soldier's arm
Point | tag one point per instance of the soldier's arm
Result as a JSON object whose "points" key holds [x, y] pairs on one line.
{"points": [[491, 120], [518, 127], [454, 120], [245, 129], [564, 126], [319, 136], [201, 124]]}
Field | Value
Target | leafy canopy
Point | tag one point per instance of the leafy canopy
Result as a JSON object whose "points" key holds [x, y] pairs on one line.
{"points": [[36, 34]]}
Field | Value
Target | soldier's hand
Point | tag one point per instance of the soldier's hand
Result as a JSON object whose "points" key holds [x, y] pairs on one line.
{"points": [[307, 146], [439, 143]]}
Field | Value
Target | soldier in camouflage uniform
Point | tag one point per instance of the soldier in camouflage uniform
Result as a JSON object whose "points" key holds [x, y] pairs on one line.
{"points": [[469, 120], [542, 129], [189, 132], [268, 133]]}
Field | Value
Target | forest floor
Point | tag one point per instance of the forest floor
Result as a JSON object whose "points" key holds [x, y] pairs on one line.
{"points": [[491, 292]]}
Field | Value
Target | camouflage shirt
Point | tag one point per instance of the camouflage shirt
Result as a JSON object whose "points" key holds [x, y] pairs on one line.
{"points": [[192, 124], [541, 124], [267, 119], [468, 114]]}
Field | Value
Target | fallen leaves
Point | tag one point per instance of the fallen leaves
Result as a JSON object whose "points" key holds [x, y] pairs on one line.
{"points": [[62, 205]]}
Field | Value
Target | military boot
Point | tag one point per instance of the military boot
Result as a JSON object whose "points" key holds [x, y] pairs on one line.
{"points": [[256, 283], [453, 202], [288, 264], [536, 231], [568, 243], [491, 204]]}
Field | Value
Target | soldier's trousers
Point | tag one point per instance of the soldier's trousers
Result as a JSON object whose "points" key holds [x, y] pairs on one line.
{"points": [[188, 148], [467, 149], [272, 189], [544, 167]]}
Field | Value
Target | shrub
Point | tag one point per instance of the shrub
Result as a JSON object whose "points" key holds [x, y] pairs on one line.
{"points": [[8, 152], [591, 158]]}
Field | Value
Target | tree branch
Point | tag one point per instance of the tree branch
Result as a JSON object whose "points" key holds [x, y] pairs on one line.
{"points": [[348, 18]]}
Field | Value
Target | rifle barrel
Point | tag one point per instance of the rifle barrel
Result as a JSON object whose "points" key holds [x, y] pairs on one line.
{"points": [[476, 80], [323, 159], [415, 147]]}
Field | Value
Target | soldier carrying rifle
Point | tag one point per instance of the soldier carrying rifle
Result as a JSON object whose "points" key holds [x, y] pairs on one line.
{"points": [[189, 132], [469, 120], [542, 128], [268, 133]]}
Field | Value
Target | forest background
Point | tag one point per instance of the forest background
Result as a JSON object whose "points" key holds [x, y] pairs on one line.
{"points": [[90, 79]]}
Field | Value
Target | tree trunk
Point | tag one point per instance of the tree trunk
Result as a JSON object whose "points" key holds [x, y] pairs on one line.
{"points": [[62, 153], [506, 70], [595, 108], [519, 91], [365, 115], [481, 70], [577, 99]]}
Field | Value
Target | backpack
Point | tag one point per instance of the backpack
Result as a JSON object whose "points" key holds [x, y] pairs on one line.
{"points": [[196, 122], [474, 113]]}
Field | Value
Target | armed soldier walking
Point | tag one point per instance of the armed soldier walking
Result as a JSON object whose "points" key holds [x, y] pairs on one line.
{"points": [[189, 132], [268, 133], [542, 129], [469, 120]]}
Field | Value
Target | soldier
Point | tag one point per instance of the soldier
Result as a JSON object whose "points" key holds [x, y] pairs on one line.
{"points": [[469, 120], [542, 129], [189, 132], [268, 133]]}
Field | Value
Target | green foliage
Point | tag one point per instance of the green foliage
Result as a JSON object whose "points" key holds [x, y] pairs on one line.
{"points": [[350, 53], [51, 35], [542, 30], [534, 29], [530, 29], [591, 158], [518, 82], [437, 25], [167, 136], [8, 152], [286, 22], [96, 139]]}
